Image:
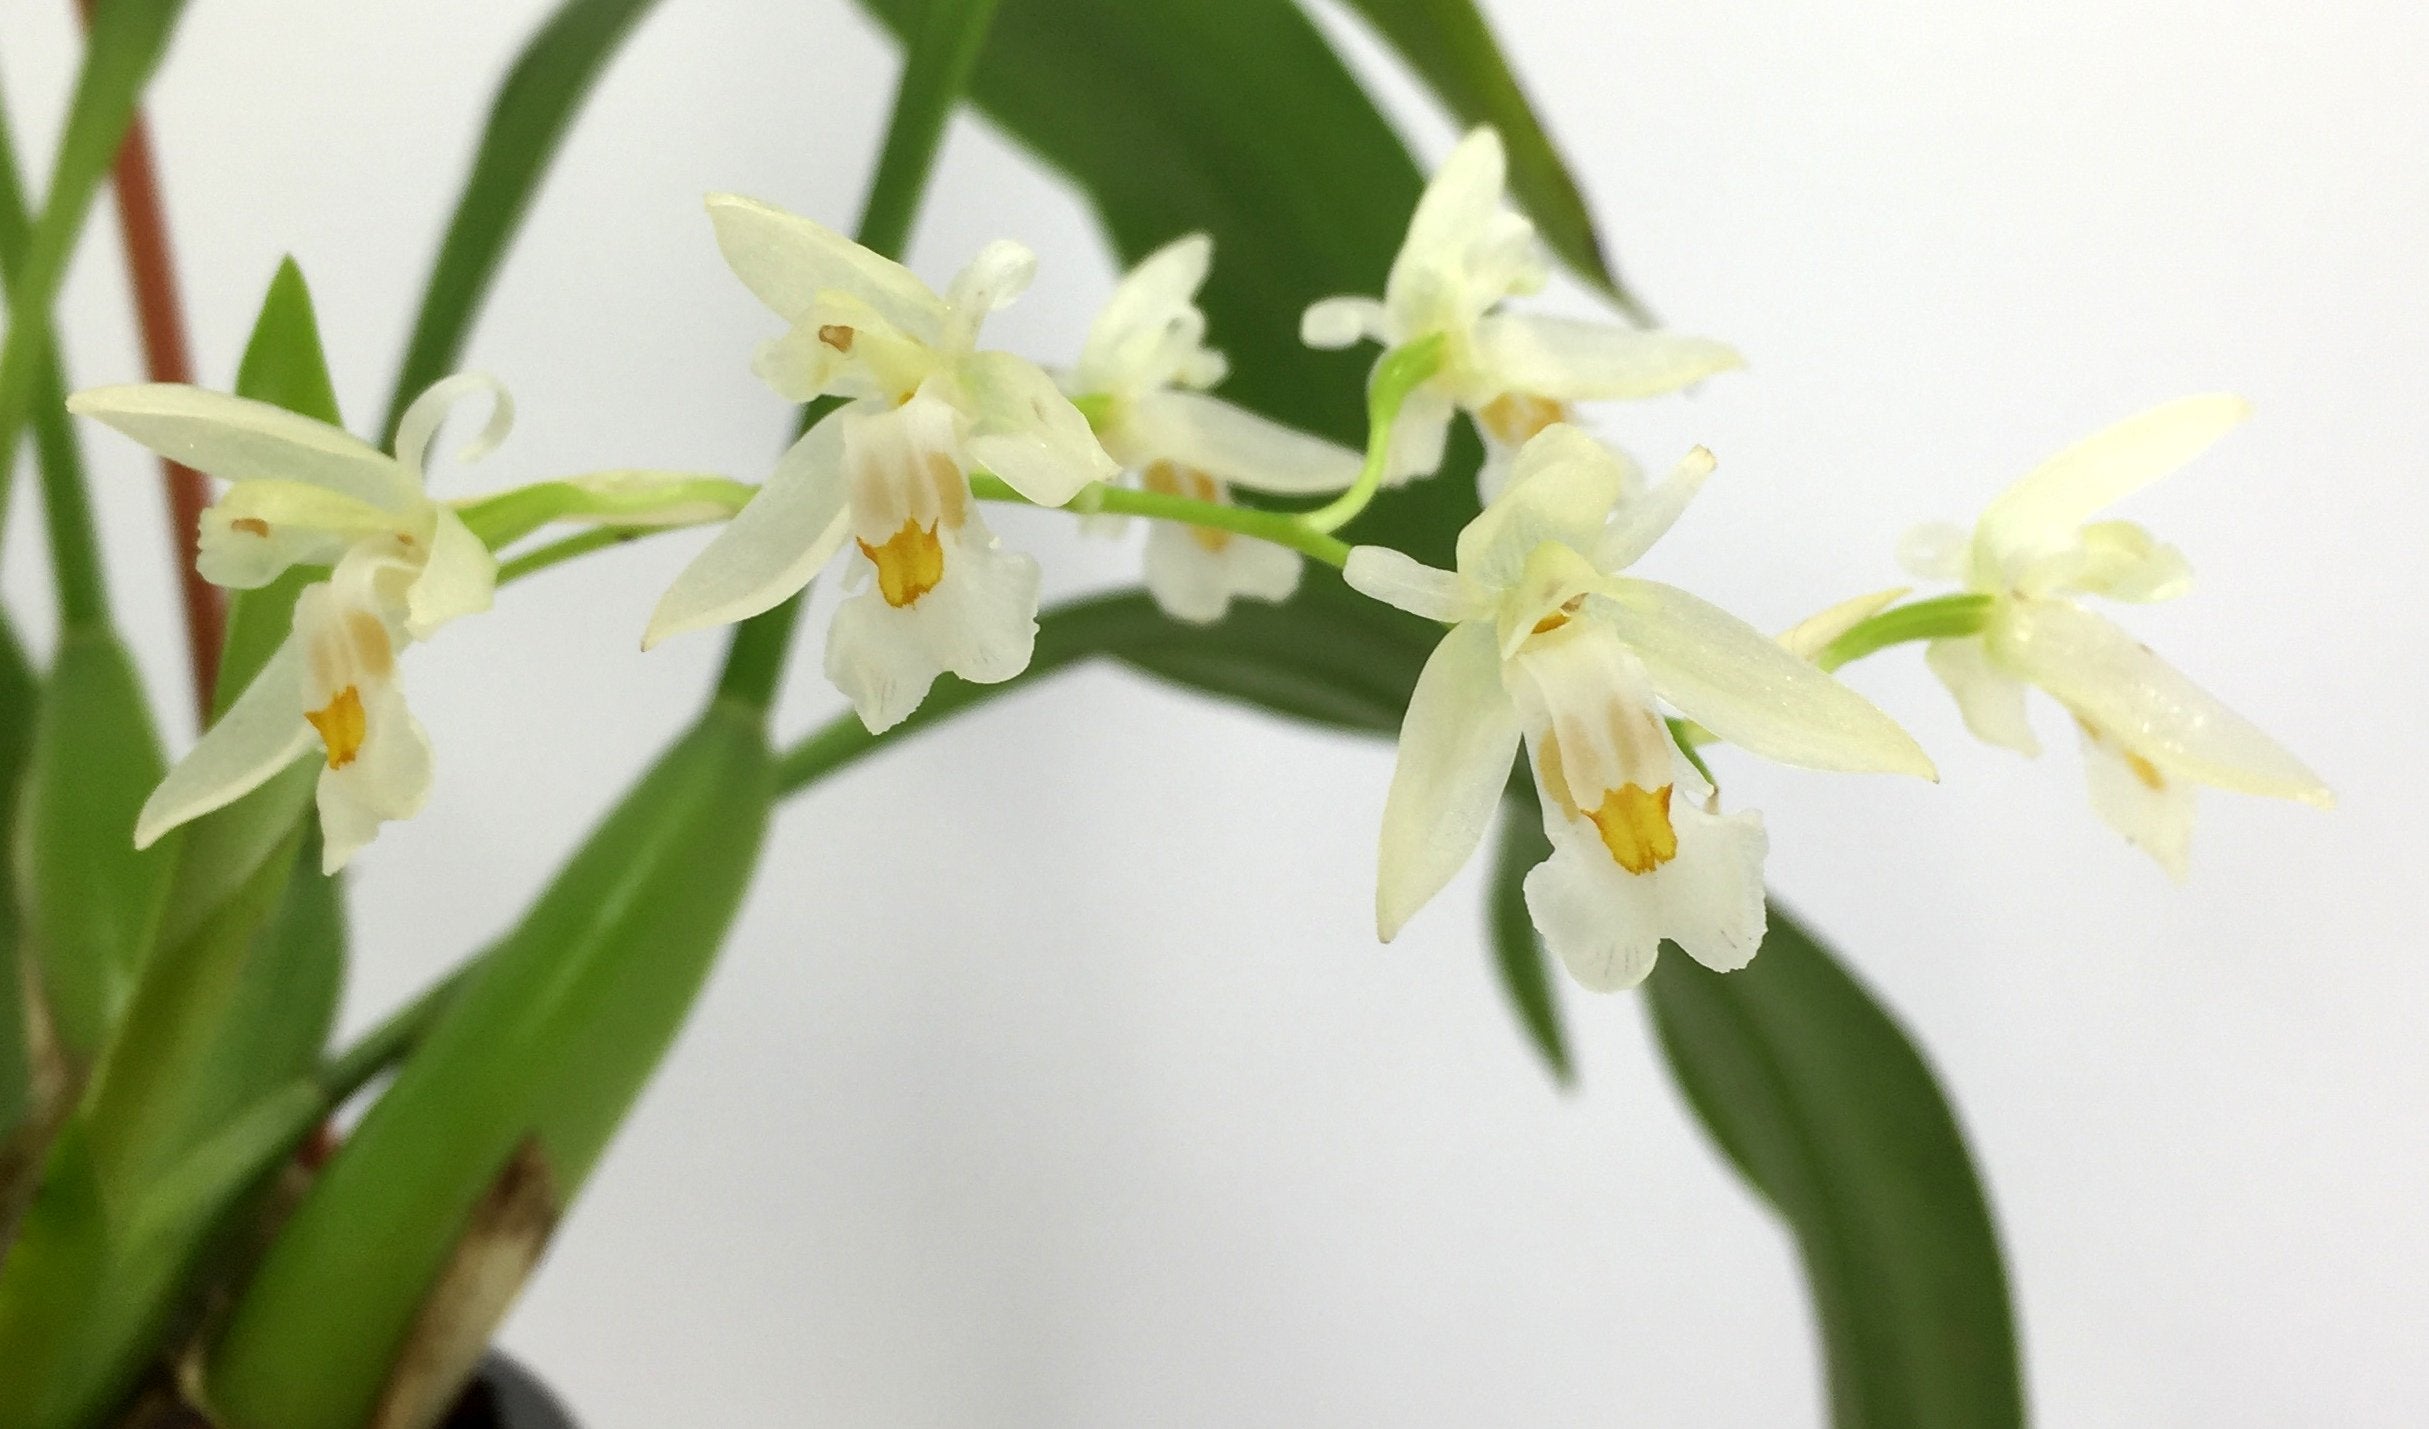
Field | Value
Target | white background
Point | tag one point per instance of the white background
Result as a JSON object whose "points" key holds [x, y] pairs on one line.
{"points": [[1053, 1075]]}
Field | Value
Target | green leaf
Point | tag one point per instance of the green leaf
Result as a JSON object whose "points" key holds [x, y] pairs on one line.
{"points": [[551, 1039], [1815, 1092], [1452, 49], [1518, 954], [20, 695], [125, 43], [528, 120], [90, 898]]}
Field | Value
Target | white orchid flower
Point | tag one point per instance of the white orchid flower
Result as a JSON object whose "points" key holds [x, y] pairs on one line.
{"points": [[1551, 643], [304, 493], [333, 682], [890, 470], [1142, 377], [2149, 734], [1466, 253]]}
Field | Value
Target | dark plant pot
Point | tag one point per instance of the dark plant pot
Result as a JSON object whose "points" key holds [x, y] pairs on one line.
{"points": [[504, 1395]]}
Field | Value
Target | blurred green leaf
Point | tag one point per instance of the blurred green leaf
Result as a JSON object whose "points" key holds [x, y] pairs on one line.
{"points": [[1816, 1093], [90, 899], [528, 120], [20, 694], [1518, 954], [552, 1038], [1452, 49], [124, 45]]}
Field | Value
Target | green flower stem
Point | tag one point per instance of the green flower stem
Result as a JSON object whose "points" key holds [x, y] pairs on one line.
{"points": [[532, 562], [1280, 527], [1940, 618], [676, 501], [1397, 373]]}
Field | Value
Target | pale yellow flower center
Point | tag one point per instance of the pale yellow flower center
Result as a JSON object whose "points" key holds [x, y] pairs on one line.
{"points": [[1513, 417], [909, 563], [342, 726], [1173, 479]]}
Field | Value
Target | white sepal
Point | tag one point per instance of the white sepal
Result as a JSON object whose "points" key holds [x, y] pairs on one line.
{"points": [[772, 547], [1455, 746]]}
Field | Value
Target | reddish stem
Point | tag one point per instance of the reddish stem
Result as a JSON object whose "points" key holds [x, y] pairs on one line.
{"points": [[167, 358]]}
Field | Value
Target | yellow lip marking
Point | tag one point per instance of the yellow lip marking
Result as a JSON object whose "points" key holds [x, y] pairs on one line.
{"points": [[341, 725], [1173, 479], [909, 564], [1513, 417], [1635, 827]]}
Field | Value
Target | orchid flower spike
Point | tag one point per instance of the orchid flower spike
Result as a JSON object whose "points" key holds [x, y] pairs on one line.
{"points": [[1142, 378], [1550, 643], [890, 470], [304, 493], [2149, 734], [1466, 253]]}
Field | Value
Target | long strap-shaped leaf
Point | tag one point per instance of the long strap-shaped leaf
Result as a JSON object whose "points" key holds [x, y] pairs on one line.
{"points": [[1825, 1105], [527, 122]]}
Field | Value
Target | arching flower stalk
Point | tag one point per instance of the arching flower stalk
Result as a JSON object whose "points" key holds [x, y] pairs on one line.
{"points": [[890, 470], [1142, 380], [1551, 644], [2149, 735], [1467, 253]]}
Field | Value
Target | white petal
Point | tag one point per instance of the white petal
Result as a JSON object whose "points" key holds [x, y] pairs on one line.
{"points": [[389, 777], [787, 261], [420, 424], [260, 528], [1419, 436], [1023, 429], [1150, 328], [1934, 551], [979, 622], [1455, 747], [2043, 511], [1341, 322], [1196, 582], [2112, 680], [262, 733], [1729, 677], [1647, 518], [1398, 579], [1812, 635], [772, 547], [1990, 699], [238, 439], [2116, 559], [1606, 924], [2154, 812], [1563, 489], [1236, 446], [1570, 360], [459, 578], [1455, 216]]}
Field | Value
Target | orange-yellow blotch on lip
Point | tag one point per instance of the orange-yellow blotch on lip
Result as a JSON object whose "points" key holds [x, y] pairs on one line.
{"points": [[1173, 479], [342, 725], [251, 526], [909, 564], [2147, 772], [1635, 827], [1513, 417]]}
